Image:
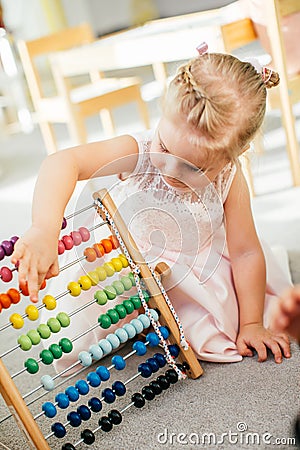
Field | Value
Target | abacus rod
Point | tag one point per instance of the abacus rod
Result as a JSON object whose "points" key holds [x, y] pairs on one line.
{"points": [[86, 208], [72, 263], [9, 351]]}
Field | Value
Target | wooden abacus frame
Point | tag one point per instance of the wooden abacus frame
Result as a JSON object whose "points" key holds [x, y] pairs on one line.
{"points": [[8, 389]]}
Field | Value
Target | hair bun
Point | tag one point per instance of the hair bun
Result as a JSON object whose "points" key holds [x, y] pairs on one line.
{"points": [[270, 77]]}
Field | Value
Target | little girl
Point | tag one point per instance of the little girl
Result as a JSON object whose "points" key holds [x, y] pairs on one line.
{"points": [[186, 201]]}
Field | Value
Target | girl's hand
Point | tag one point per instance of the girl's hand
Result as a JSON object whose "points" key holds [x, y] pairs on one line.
{"points": [[286, 315], [256, 337], [36, 256]]}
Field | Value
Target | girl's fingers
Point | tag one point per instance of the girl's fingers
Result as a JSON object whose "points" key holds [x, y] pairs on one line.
{"points": [[243, 349]]}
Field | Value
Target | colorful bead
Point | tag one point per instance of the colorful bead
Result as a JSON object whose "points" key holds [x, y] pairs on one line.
{"points": [[119, 362], [117, 263], [99, 249], [24, 342], [174, 350], [122, 335], [76, 236], [113, 315], [94, 379], [32, 312], [62, 400], [49, 410], [66, 345], [153, 339], [100, 297], [119, 388], [64, 223], [163, 382], [137, 325], [72, 393], [46, 356], [103, 373], [131, 276], [115, 417], [101, 273], [105, 424], [88, 436], [165, 332], [138, 400], [108, 395], [123, 260], [104, 321], [31, 365], [48, 382], [148, 393], [85, 358], [140, 348], [118, 286], [68, 242], [105, 346], [74, 419], [85, 234], [82, 387], [114, 340], [95, 404], [44, 331], [90, 254], [74, 288], [109, 269], [130, 330], [156, 387], [84, 412], [160, 359], [153, 364], [172, 376], [136, 301], [154, 314], [85, 282], [145, 370], [63, 319], [58, 429], [96, 352], [5, 301], [50, 302], [114, 241], [16, 320], [126, 283], [56, 351], [34, 336], [94, 277], [8, 247], [60, 247], [121, 310], [107, 244], [128, 306], [14, 295], [54, 324], [110, 292], [6, 274], [24, 289], [144, 320], [2, 253]]}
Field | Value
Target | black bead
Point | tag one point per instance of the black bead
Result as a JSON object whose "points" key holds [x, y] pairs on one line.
{"points": [[148, 392], [172, 376], [88, 436], [115, 417], [297, 430], [105, 423], [156, 387], [163, 382], [68, 446], [138, 400]]}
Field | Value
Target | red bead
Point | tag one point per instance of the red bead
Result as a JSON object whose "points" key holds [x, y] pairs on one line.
{"points": [[43, 285], [5, 301], [14, 295], [85, 234], [99, 249], [24, 288], [68, 242], [107, 244], [61, 247], [6, 274], [76, 236]]}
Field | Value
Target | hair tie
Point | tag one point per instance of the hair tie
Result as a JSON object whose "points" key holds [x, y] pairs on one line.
{"points": [[265, 76], [202, 49]]}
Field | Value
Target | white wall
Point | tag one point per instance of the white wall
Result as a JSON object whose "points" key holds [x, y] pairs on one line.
{"points": [[25, 19]]}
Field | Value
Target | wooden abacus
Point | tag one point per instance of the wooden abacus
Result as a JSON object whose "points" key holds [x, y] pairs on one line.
{"points": [[152, 297]]}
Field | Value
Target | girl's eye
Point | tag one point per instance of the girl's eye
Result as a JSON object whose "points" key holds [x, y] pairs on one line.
{"points": [[163, 149], [193, 168]]}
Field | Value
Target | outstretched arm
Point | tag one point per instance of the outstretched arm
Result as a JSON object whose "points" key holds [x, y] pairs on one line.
{"points": [[249, 275], [36, 251]]}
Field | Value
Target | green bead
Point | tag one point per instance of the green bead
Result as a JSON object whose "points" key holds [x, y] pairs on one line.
{"points": [[131, 277], [24, 342], [104, 321], [100, 297], [66, 345], [121, 310], [63, 319], [31, 365], [44, 331], [110, 292], [126, 281], [54, 325], [135, 299], [56, 351], [128, 306], [46, 356], [118, 287], [113, 315], [146, 296], [34, 337]]}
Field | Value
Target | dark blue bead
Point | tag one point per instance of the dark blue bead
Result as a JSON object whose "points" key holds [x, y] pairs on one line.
{"points": [[103, 373], [74, 418], [153, 364], [68, 446], [160, 359], [95, 404], [174, 350], [72, 393], [49, 410], [119, 388], [165, 332], [62, 400], [84, 412], [82, 387], [58, 430], [145, 370], [108, 395], [94, 379]]}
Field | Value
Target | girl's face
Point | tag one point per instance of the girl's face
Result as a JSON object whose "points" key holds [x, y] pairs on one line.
{"points": [[181, 163]]}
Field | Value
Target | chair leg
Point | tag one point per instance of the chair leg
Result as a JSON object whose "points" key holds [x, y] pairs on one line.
{"points": [[48, 136], [107, 123], [143, 111]]}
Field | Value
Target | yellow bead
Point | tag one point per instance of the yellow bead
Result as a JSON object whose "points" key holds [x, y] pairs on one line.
{"points": [[123, 260], [117, 263], [74, 288], [101, 273], [85, 282], [32, 312], [16, 320], [109, 269], [50, 302], [94, 277]]}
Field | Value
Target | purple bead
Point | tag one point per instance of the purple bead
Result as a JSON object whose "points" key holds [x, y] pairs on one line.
{"points": [[64, 223], [14, 239], [2, 253], [7, 247]]}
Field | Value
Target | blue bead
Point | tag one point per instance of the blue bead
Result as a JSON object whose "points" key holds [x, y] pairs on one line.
{"points": [[103, 373], [58, 430], [94, 379], [119, 362], [95, 404], [72, 393], [140, 348], [113, 340], [153, 339], [154, 314], [96, 352], [84, 412], [82, 387], [145, 320], [160, 359], [174, 350], [108, 395], [105, 346], [130, 330], [119, 388], [85, 359], [145, 370], [137, 325], [165, 332], [122, 335], [74, 419], [62, 400], [153, 364], [47, 382], [49, 410]]}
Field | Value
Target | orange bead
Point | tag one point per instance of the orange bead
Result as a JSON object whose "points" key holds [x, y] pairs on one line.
{"points": [[14, 295], [24, 288], [5, 301], [107, 244], [90, 254], [114, 241], [99, 250], [43, 285]]}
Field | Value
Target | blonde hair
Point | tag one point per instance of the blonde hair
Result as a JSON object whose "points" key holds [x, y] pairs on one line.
{"points": [[222, 99]]}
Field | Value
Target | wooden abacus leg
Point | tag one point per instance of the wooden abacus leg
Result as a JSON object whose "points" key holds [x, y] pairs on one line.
{"points": [[157, 300], [18, 408]]}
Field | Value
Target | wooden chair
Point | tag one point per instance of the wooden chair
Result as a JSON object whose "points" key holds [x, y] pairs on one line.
{"points": [[73, 105]]}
